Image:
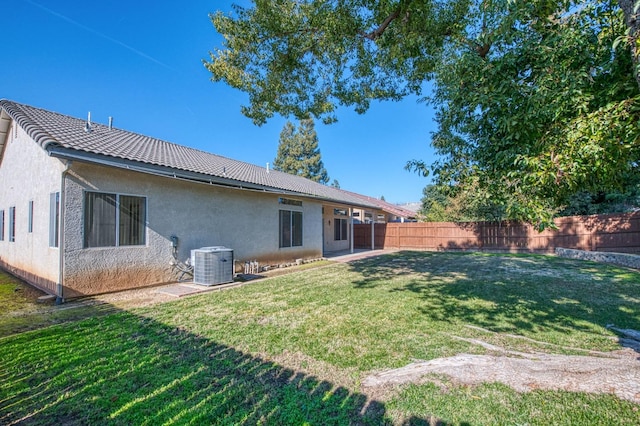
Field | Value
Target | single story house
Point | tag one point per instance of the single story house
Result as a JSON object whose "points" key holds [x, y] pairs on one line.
{"points": [[86, 208]]}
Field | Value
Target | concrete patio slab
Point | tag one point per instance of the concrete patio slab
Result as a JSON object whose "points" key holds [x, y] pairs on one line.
{"points": [[188, 289], [346, 256]]}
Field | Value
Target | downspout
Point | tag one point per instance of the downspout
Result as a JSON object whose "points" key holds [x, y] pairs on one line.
{"points": [[59, 290]]}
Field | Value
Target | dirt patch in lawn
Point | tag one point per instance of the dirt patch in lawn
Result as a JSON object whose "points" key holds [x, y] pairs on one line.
{"points": [[615, 373], [17, 295]]}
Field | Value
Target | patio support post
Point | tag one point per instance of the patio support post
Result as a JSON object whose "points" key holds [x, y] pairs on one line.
{"points": [[373, 231], [351, 226]]}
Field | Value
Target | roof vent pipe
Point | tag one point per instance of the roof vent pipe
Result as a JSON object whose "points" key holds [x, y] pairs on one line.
{"points": [[267, 167], [110, 123], [87, 126]]}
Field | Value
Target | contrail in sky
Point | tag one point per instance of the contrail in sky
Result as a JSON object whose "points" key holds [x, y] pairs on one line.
{"points": [[99, 34]]}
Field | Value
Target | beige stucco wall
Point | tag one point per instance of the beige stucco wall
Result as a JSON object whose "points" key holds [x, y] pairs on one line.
{"points": [[329, 221], [198, 214], [330, 244], [27, 173]]}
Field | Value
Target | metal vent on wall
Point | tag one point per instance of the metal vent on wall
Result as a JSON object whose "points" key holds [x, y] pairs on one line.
{"points": [[212, 265]]}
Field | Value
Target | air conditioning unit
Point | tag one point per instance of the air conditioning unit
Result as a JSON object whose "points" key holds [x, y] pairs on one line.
{"points": [[212, 265]]}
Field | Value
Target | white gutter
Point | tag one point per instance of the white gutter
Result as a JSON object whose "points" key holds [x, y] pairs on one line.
{"points": [[60, 286]]}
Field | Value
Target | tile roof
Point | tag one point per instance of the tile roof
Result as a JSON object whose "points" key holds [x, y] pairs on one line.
{"points": [[51, 130]]}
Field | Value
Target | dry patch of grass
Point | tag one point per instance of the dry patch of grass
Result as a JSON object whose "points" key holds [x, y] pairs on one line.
{"points": [[15, 295], [21, 311]]}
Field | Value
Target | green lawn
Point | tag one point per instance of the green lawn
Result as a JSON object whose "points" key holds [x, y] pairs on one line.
{"points": [[294, 349]]}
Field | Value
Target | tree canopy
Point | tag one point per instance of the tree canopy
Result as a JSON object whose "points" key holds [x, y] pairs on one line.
{"points": [[552, 112], [298, 152], [304, 58], [536, 100], [439, 205]]}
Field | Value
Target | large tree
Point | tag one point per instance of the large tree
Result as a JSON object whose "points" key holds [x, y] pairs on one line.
{"points": [[298, 152], [536, 100], [553, 111], [303, 58], [440, 205]]}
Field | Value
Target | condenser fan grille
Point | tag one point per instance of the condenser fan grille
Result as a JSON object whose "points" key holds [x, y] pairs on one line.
{"points": [[212, 265]]}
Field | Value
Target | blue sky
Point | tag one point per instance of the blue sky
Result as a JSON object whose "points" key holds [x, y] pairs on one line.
{"points": [[141, 63]]}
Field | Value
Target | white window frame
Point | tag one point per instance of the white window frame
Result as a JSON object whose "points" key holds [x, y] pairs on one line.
{"points": [[30, 223], [12, 224], [54, 219], [293, 240], [341, 231], [2, 225]]}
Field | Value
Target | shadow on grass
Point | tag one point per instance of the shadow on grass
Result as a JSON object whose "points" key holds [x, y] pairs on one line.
{"points": [[505, 293], [127, 369]]}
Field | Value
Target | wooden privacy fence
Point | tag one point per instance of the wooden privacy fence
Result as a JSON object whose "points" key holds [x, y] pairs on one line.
{"points": [[613, 233]]}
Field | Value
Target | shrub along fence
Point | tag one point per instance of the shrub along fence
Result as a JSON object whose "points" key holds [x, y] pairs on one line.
{"points": [[612, 233]]}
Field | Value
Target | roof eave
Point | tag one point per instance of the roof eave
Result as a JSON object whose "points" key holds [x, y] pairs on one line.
{"points": [[5, 125], [34, 131], [57, 151]]}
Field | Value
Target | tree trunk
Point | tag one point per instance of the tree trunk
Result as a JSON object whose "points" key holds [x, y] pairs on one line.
{"points": [[632, 22]]}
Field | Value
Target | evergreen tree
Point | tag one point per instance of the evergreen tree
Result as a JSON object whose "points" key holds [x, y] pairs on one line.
{"points": [[335, 184], [298, 152]]}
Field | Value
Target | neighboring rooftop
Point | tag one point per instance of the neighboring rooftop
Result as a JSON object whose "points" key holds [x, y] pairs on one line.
{"points": [[69, 137], [383, 205], [414, 206]]}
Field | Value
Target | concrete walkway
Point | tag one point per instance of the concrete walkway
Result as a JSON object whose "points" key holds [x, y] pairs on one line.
{"points": [[189, 288], [346, 256]]}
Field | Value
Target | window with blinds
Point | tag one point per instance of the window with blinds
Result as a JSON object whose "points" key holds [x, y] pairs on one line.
{"points": [[54, 219], [340, 230], [290, 228], [112, 220], [12, 224]]}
